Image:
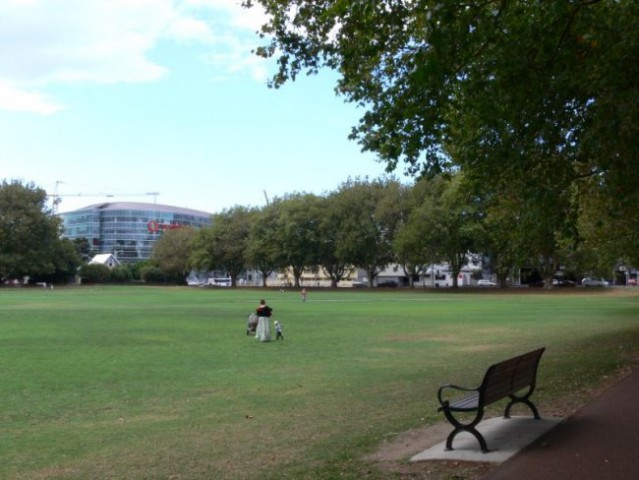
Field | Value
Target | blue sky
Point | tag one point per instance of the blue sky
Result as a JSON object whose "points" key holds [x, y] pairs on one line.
{"points": [[113, 99]]}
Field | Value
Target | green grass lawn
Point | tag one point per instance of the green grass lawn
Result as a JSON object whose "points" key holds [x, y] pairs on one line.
{"points": [[163, 383]]}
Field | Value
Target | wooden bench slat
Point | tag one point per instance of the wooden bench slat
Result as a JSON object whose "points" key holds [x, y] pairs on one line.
{"points": [[469, 402]]}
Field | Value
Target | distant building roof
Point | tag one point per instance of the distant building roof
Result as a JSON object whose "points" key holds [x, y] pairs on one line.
{"points": [[107, 259], [143, 206]]}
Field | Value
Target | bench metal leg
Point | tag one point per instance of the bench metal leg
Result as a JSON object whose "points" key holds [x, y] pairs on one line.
{"points": [[471, 430], [514, 400], [465, 427]]}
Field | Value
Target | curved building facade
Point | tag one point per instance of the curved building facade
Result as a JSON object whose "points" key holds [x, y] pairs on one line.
{"points": [[128, 229]]}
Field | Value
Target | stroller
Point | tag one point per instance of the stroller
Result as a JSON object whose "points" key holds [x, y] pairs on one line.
{"points": [[251, 324]]}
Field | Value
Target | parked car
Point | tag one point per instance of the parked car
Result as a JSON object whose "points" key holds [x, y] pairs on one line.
{"points": [[485, 283], [563, 283], [632, 282], [594, 282]]}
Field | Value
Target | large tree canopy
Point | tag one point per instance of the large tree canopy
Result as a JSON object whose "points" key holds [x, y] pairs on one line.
{"points": [[538, 92], [222, 246], [173, 250], [29, 232]]}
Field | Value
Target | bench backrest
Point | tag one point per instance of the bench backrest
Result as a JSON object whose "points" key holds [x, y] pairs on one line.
{"points": [[510, 376]]}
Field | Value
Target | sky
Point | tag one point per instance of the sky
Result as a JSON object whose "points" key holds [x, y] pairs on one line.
{"points": [[163, 101]]}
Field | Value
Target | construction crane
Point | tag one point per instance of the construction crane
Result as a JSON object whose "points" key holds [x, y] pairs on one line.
{"points": [[56, 198]]}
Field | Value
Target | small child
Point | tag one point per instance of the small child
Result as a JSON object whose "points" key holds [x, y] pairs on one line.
{"points": [[278, 331]]}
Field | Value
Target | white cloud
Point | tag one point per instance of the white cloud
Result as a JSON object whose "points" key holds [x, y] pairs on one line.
{"points": [[73, 40], [17, 100], [190, 29], [48, 42], [248, 18]]}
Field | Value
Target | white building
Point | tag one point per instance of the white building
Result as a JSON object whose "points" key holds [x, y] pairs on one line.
{"points": [[107, 259]]}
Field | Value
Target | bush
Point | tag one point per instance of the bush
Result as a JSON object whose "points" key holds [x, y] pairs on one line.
{"points": [[137, 267], [152, 274], [121, 274], [95, 273]]}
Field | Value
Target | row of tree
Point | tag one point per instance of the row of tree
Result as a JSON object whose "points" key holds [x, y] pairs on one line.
{"points": [[371, 224], [362, 224]]}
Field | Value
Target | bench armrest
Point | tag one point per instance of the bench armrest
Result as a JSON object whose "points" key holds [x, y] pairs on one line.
{"points": [[440, 393]]}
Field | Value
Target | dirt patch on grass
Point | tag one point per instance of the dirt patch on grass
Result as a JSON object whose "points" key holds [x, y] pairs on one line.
{"points": [[403, 445], [392, 457]]}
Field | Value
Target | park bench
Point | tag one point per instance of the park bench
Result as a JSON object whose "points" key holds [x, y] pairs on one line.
{"points": [[514, 378]]}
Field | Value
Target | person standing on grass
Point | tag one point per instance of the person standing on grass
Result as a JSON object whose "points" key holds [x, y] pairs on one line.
{"points": [[303, 294], [263, 330], [279, 335]]}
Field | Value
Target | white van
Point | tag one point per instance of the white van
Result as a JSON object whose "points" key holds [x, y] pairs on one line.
{"points": [[220, 281]]}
